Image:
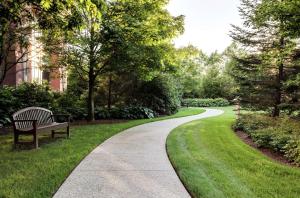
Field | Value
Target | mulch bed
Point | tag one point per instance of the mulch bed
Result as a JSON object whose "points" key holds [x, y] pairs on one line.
{"points": [[266, 151]]}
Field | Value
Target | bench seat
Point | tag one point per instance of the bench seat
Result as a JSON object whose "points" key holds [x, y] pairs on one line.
{"points": [[52, 126]]}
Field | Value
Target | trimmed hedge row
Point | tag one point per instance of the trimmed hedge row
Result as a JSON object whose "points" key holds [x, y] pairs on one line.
{"points": [[196, 102], [279, 134]]}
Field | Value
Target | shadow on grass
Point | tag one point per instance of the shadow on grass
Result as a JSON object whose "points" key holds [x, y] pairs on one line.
{"points": [[26, 142]]}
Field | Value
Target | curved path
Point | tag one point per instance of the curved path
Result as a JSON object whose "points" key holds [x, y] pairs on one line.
{"points": [[131, 164]]}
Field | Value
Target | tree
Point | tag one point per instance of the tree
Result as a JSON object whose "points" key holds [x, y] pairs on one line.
{"points": [[83, 48], [191, 65], [285, 11], [266, 59], [129, 37], [216, 83]]}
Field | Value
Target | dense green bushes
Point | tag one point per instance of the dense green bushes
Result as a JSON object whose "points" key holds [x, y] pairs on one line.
{"points": [[32, 94], [127, 113], [279, 134], [161, 94], [25, 95], [195, 102]]}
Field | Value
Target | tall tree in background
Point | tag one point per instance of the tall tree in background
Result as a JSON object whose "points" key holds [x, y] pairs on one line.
{"points": [[266, 60], [191, 65], [128, 37]]}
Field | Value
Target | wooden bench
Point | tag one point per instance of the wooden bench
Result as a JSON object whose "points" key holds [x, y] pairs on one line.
{"points": [[34, 120]]}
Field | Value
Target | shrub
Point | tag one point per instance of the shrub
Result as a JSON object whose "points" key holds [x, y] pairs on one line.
{"points": [[7, 104], [251, 122], [127, 113], [279, 134], [292, 150], [102, 113], [195, 102], [33, 94], [25, 95], [162, 95], [67, 103]]}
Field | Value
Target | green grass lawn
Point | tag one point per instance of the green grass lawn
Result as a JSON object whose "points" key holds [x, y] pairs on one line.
{"points": [[213, 163], [39, 173]]}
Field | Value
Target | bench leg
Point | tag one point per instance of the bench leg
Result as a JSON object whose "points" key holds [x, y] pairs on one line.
{"points": [[35, 140], [68, 131], [52, 134], [16, 139]]}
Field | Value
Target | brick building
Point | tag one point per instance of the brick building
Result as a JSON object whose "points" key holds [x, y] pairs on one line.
{"points": [[31, 70]]}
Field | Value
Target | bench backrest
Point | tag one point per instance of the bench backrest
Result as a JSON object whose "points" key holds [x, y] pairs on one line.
{"points": [[43, 117]]}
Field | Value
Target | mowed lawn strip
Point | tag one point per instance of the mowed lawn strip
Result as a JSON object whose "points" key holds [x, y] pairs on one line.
{"points": [[213, 162], [39, 173]]}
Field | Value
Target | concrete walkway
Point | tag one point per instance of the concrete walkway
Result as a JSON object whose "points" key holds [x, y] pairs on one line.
{"points": [[131, 164]]}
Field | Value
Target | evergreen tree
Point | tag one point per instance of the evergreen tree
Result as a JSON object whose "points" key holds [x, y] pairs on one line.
{"points": [[266, 61]]}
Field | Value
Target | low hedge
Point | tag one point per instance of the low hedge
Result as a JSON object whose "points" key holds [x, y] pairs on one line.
{"points": [[128, 113], [196, 102], [279, 134]]}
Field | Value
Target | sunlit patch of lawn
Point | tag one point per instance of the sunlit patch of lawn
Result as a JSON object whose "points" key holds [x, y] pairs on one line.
{"points": [[214, 163]]}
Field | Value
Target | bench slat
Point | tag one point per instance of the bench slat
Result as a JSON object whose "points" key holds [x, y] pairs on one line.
{"points": [[43, 117]]}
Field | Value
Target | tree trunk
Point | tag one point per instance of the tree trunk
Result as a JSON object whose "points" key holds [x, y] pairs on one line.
{"points": [[91, 103], [92, 79], [109, 92], [278, 94]]}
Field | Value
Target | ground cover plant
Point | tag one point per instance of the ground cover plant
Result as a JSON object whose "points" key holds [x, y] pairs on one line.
{"points": [[39, 173], [213, 162], [279, 134]]}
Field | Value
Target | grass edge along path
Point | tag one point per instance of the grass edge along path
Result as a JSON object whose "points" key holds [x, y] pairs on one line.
{"points": [[39, 173], [213, 162]]}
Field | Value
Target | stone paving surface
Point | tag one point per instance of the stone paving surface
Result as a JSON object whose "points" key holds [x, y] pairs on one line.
{"points": [[131, 164]]}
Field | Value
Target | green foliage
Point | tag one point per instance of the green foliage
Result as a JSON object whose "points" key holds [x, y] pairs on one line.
{"points": [[286, 11], [7, 104], [127, 37], [190, 63], [69, 103], [195, 102], [25, 95], [252, 122], [202, 75], [279, 134], [267, 60], [162, 95], [127, 113], [33, 94], [215, 84]]}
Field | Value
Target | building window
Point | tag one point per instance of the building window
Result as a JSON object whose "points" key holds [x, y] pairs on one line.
{"points": [[46, 76]]}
